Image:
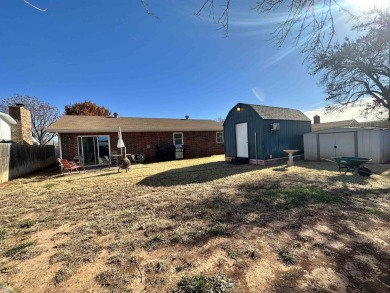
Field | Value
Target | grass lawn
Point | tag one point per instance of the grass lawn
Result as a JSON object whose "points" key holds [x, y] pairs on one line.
{"points": [[197, 226]]}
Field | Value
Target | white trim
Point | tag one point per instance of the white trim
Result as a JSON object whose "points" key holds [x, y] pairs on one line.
{"points": [[7, 118], [216, 137], [182, 137], [242, 146], [59, 144]]}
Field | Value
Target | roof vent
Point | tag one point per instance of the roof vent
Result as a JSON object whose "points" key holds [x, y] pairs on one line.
{"points": [[116, 115], [187, 117]]}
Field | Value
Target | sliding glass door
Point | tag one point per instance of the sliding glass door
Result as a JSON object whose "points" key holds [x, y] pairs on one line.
{"points": [[93, 148]]}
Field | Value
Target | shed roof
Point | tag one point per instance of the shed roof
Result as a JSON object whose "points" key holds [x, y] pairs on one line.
{"points": [[334, 124], [277, 113], [7, 118], [79, 124]]}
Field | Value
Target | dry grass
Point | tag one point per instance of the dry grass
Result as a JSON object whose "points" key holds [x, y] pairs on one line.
{"points": [[162, 227]]}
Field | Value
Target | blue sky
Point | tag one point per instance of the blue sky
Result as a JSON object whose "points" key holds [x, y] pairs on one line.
{"points": [[178, 64]]}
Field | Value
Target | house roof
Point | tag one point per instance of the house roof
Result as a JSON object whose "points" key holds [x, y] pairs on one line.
{"points": [[335, 124], [7, 118], [79, 124], [276, 113]]}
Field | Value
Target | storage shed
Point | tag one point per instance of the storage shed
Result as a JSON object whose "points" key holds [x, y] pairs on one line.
{"points": [[259, 134], [373, 143]]}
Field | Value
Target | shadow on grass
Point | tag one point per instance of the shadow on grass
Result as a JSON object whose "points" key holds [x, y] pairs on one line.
{"points": [[280, 210], [196, 174]]}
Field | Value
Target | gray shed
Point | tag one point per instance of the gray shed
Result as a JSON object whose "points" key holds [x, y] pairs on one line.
{"points": [[261, 133], [371, 143]]}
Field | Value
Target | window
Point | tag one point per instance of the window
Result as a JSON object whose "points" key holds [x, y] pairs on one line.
{"points": [[219, 137], [178, 138], [93, 147]]}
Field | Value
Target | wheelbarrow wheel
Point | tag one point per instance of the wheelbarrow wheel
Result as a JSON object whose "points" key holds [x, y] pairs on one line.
{"points": [[364, 171]]}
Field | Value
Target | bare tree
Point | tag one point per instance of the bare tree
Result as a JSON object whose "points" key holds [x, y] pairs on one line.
{"points": [[359, 69], [311, 23], [42, 115]]}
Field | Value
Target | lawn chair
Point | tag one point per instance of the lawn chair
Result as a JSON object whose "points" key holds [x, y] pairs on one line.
{"points": [[103, 161], [137, 158], [68, 166], [79, 160]]}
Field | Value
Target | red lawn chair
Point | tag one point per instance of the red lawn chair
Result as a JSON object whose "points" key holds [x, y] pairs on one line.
{"points": [[69, 167]]}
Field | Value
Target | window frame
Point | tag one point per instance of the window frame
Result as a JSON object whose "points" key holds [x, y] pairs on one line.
{"points": [[216, 137], [182, 138]]}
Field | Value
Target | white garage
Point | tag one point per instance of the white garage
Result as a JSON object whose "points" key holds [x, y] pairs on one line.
{"points": [[371, 143]]}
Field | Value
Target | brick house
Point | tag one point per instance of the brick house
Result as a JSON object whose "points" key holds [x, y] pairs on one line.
{"points": [[6, 123], [16, 125], [95, 137]]}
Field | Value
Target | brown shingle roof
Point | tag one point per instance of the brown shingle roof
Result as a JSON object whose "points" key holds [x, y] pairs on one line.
{"points": [[78, 124], [277, 113], [335, 124]]}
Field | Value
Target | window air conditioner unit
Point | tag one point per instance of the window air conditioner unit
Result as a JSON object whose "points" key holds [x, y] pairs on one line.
{"points": [[275, 126]]}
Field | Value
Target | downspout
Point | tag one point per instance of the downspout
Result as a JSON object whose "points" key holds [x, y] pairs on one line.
{"points": [[256, 146], [59, 144]]}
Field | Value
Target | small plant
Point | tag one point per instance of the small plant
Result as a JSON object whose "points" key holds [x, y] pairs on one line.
{"points": [[286, 256], [63, 274], [20, 249], [26, 224], [177, 239], [373, 211], [2, 235], [232, 252], [203, 284], [194, 284], [155, 241], [218, 230]]}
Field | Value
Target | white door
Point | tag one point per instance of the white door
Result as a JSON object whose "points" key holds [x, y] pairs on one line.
{"points": [[344, 142], [242, 140]]}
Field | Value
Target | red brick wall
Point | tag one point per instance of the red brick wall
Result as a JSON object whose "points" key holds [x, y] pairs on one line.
{"points": [[197, 144]]}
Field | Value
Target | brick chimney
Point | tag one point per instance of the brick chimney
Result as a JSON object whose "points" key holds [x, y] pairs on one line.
{"points": [[21, 132], [316, 119]]}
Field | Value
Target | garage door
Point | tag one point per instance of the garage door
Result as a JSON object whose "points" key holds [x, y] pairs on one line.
{"points": [[337, 145]]}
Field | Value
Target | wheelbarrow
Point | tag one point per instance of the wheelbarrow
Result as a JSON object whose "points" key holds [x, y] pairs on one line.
{"points": [[352, 164]]}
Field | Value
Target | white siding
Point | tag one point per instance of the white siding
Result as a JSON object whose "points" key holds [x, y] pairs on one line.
{"points": [[337, 145], [5, 130], [369, 144], [310, 146], [385, 146]]}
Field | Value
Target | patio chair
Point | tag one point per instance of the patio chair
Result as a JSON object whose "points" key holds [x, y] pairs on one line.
{"points": [[79, 160], [104, 161], [68, 166], [137, 158]]}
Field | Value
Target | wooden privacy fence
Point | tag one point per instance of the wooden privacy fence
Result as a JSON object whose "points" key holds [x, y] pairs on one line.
{"points": [[17, 160]]}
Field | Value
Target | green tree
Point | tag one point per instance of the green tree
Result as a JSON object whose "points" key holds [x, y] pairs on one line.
{"points": [[42, 115], [358, 69], [86, 108]]}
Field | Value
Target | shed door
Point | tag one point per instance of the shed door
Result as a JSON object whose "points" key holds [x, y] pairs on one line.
{"points": [[344, 142], [242, 140]]}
